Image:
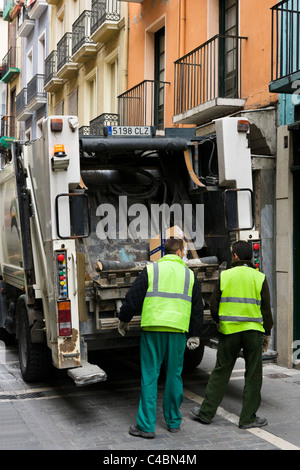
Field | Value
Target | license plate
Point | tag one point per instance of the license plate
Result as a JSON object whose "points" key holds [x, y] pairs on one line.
{"points": [[135, 131]]}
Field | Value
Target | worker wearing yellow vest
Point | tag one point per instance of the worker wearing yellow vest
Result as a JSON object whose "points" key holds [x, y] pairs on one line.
{"points": [[240, 304], [169, 298]]}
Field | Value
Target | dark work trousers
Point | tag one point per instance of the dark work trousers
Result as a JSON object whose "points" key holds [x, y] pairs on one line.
{"points": [[228, 350]]}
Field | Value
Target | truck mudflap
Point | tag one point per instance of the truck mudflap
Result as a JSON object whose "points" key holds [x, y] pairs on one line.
{"points": [[87, 374]]}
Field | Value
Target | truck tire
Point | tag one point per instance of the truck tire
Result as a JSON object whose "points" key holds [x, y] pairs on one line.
{"points": [[34, 358], [193, 358]]}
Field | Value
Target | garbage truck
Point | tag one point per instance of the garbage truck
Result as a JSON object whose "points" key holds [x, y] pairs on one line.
{"points": [[78, 214]]}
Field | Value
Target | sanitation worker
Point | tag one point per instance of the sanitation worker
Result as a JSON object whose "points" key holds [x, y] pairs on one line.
{"points": [[169, 299], [240, 304]]}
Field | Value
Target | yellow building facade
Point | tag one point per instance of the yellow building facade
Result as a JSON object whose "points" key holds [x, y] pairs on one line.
{"points": [[86, 67]]}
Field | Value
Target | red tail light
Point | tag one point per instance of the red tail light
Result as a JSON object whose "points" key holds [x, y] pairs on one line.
{"points": [[64, 319]]}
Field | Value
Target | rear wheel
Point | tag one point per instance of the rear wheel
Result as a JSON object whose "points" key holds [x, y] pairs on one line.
{"points": [[34, 358]]}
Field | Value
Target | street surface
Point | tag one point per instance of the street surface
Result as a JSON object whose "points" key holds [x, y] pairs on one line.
{"points": [[57, 415]]}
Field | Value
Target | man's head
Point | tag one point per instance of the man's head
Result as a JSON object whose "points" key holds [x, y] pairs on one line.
{"points": [[174, 246], [242, 250]]}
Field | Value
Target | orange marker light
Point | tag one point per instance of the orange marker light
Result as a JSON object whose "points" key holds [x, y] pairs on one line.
{"points": [[59, 150]]}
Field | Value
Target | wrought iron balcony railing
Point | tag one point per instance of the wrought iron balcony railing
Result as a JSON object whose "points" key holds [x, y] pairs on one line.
{"points": [[64, 50], [8, 126], [21, 101], [97, 124], [104, 10], [212, 70], [9, 60], [285, 46], [81, 31], [50, 66], [35, 88], [143, 105]]}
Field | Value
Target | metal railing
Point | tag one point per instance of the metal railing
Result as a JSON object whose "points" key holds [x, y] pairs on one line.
{"points": [[210, 71], [35, 88], [143, 105], [81, 30], [9, 60], [64, 50], [50, 66], [21, 101], [285, 47], [8, 126], [104, 10], [97, 124]]}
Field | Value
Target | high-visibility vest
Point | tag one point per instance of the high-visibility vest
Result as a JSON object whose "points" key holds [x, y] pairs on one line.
{"points": [[168, 302], [240, 303]]}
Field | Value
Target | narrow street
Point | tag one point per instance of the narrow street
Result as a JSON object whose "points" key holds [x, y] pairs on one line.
{"points": [[57, 415]]}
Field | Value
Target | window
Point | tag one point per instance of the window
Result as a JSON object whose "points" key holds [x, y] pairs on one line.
{"points": [[159, 77], [29, 66], [111, 83], [90, 98], [228, 48], [41, 53]]}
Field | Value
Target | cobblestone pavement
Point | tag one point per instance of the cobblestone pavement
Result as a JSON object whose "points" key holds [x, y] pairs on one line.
{"points": [[57, 415]]}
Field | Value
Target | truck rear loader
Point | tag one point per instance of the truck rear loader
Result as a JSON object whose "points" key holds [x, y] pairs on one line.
{"points": [[77, 214]]}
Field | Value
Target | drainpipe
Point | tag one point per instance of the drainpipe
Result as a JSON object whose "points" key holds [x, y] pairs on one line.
{"points": [[182, 25]]}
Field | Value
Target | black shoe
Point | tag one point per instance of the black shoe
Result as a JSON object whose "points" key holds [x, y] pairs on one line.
{"points": [[196, 411], [258, 423], [135, 431], [174, 429]]}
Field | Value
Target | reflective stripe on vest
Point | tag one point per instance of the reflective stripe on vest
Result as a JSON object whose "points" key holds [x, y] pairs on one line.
{"points": [[170, 295], [240, 302], [168, 301]]}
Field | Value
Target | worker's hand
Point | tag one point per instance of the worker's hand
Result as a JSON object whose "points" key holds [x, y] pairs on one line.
{"points": [[122, 328], [266, 340], [193, 343]]}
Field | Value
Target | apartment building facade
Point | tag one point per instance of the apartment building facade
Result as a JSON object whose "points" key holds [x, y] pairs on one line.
{"points": [[86, 67]]}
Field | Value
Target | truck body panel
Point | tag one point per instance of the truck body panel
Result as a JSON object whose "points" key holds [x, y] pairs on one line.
{"points": [[77, 213]]}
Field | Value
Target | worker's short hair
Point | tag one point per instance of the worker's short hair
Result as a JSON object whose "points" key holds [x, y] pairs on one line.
{"points": [[172, 245], [243, 250]]}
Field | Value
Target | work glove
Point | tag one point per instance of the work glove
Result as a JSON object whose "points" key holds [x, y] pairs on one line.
{"points": [[265, 343], [193, 342], [123, 328]]}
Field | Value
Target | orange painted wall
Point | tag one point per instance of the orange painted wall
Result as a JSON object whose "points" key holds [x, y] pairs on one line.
{"points": [[200, 22], [255, 23]]}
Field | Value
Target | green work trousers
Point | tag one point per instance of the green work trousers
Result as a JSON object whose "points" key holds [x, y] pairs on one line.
{"points": [[157, 347], [228, 350]]}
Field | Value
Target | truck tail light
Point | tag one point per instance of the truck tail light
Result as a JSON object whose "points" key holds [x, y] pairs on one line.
{"points": [[64, 319], [243, 125]]}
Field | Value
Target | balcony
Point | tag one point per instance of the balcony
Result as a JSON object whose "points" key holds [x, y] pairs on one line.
{"points": [[7, 131], [9, 69], [143, 105], [52, 82], [208, 81], [66, 67], [22, 112], [97, 124], [285, 48], [36, 96], [83, 48], [37, 9], [26, 25], [104, 20]]}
